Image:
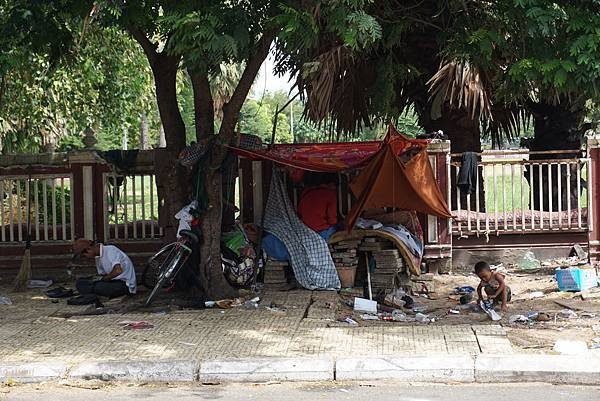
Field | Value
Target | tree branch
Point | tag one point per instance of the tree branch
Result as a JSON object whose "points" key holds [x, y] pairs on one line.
{"points": [[204, 109], [148, 47], [231, 109]]}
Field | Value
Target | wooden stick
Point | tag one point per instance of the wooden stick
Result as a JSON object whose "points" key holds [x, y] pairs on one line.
{"points": [[369, 276]]}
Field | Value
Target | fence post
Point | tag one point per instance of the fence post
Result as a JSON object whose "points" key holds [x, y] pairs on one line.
{"points": [[593, 186], [437, 232], [84, 165]]}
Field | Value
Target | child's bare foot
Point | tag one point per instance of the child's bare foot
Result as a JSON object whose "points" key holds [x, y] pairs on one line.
{"points": [[504, 308]]}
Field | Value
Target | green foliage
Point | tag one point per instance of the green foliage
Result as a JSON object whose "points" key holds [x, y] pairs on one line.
{"points": [[257, 119], [105, 83]]}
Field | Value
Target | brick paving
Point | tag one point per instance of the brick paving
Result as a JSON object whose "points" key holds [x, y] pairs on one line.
{"points": [[31, 330]]}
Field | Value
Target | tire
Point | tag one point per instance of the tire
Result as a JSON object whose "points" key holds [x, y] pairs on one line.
{"points": [[153, 267], [169, 265]]}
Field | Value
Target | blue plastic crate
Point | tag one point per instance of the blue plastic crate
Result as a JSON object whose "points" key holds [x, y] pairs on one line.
{"points": [[576, 279]]}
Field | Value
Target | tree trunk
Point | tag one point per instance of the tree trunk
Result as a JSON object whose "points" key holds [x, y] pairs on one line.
{"points": [[211, 269], [211, 227], [556, 127], [204, 109], [144, 140], [172, 179]]}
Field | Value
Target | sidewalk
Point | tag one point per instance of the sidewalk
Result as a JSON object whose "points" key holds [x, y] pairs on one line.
{"points": [[304, 343]]}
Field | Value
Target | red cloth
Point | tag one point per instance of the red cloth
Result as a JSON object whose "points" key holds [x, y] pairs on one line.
{"points": [[318, 208], [328, 157]]}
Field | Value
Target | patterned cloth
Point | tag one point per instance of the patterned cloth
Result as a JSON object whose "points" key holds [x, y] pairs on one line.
{"points": [[309, 253]]}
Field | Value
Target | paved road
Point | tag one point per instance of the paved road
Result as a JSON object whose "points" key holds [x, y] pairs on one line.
{"points": [[303, 392]]}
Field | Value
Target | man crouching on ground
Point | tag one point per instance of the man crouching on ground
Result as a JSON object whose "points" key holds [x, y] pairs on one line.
{"points": [[115, 267]]}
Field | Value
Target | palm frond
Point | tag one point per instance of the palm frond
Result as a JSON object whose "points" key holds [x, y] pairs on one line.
{"points": [[223, 83], [460, 85], [506, 122]]}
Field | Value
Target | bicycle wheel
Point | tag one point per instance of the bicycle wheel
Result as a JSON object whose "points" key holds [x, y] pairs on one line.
{"points": [[166, 273], [155, 263]]}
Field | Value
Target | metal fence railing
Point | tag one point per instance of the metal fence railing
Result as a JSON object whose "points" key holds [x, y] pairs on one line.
{"points": [[520, 192], [47, 199]]}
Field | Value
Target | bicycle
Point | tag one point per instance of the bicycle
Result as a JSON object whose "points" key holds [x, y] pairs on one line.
{"points": [[164, 266]]}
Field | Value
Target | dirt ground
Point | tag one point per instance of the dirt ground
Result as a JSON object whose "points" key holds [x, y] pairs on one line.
{"points": [[530, 337]]}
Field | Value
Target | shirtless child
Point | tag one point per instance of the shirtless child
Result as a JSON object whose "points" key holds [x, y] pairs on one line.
{"points": [[492, 282]]}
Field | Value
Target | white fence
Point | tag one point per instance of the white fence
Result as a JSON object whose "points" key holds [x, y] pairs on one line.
{"points": [[514, 194], [47, 198]]}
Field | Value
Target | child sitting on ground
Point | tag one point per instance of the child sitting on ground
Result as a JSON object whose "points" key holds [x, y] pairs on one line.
{"points": [[493, 284]]}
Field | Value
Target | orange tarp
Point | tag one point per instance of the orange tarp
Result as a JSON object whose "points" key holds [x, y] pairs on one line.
{"points": [[387, 181]]}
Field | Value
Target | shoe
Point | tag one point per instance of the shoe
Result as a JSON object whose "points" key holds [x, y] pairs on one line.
{"points": [[59, 292]]}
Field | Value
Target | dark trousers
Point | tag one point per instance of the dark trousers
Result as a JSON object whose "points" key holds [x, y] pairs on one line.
{"points": [[110, 289]]}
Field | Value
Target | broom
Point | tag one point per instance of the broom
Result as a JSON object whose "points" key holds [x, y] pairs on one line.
{"points": [[24, 275]]}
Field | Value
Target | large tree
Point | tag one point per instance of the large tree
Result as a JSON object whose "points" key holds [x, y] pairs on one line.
{"points": [[201, 36]]}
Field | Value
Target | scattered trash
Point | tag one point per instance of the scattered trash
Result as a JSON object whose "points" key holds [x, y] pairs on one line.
{"points": [[588, 315], [350, 321], [239, 301], [399, 316], [454, 312], [422, 318], [596, 328], [385, 316], [595, 343], [395, 299], [209, 304], [365, 305], [188, 344], [535, 294], [39, 283], [5, 301], [225, 303], [570, 347], [418, 308], [368, 316], [464, 290], [568, 314], [542, 317], [279, 310], [518, 319], [487, 307], [252, 303], [529, 261], [136, 325]]}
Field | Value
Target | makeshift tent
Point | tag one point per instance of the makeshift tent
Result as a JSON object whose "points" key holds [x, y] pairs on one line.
{"points": [[389, 182], [385, 181]]}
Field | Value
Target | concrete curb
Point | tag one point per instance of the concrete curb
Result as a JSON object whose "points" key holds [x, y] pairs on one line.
{"points": [[267, 369], [555, 369], [436, 369], [32, 372], [156, 371]]}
